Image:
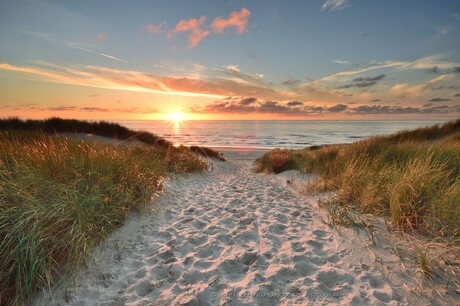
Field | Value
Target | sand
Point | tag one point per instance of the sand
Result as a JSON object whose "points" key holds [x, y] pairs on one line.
{"points": [[233, 237]]}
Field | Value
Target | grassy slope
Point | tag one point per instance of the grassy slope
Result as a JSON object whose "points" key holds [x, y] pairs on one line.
{"points": [[58, 198], [411, 176], [101, 128]]}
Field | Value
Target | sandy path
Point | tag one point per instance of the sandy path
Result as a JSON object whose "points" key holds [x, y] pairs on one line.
{"points": [[230, 237]]}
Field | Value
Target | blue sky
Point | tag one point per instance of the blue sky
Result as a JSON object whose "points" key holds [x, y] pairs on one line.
{"points": [[225, 59]]}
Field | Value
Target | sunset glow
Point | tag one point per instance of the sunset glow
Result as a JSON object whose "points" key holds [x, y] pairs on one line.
{"points": [[176, 117], [231, 60]]}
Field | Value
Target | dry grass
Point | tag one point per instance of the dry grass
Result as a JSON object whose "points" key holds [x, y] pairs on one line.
{"points": [[58, 198], [413, 177]]}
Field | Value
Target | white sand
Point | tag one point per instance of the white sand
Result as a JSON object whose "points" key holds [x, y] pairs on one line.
{"points": [[232, 237]]}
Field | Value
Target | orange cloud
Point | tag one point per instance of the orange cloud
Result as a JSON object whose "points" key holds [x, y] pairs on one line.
{"points": [[101, 37], [102, 77], [152, 28], [416, 90], [218, 86], [238, 20], [194, 26]]}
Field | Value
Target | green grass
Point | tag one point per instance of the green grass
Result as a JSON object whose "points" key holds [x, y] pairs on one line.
{"points": [[411, 176], [59, 198]]}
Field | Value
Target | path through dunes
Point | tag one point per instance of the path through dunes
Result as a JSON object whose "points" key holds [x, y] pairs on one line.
{"points": [[230, 237]]}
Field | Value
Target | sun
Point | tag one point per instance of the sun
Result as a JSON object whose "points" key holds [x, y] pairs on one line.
{"points": [[177, 117]]}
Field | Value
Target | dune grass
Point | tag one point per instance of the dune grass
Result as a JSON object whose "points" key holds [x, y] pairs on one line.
{"points": [[207, 152], [59, 198], [101, 128], [411, 176]]}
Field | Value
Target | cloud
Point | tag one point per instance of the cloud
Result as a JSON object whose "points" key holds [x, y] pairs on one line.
{"points": [[113, 57], [364, 81], [39, 35], [209, 83], [433, 63], [248, 101], [59, 108], [291, 83], [294, 103], [369, 79], [101, 37], [434, 70], [341, 62], [337, 108], [194, 26], [237, 20], [294, 108], [375, 100], [233, 68], [76, 46], [443, 30], [457, 95], [403, 89], [334, 5], [102, 77], [265, 107], [398, 110], [453, 87], [439, 100], [152, 28], [334, 76]]}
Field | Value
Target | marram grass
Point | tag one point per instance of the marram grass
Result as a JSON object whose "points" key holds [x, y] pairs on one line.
{"points": [[413, 176], [58, 198]]}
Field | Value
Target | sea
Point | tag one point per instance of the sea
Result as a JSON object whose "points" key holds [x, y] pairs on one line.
{"points": [[269, 134]]}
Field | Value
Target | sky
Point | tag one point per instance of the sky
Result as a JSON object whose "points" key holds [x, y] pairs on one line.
{"points": [[230, 59]]}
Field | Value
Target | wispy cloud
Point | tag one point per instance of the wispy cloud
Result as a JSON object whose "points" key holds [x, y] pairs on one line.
{"points": [[113, 57], [154, 28], [102, 77], [291, 83], [194, 26], [76, 46], [435, 63], [387, 64], [444, 29], [101, 37], [237, 20], [334, 5], [341, 62], [364, 81], [233, 68], [404, 89], [86, 109], [40, 35]]}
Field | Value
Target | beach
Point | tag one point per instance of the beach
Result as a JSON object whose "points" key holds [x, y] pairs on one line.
{"points": [[234, 237]]}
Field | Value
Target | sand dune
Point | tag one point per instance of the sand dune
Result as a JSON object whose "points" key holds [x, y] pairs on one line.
{"points": [[232, 237]]}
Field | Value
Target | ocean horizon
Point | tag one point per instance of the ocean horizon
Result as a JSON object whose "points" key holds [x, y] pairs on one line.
{"points": [[269, 134]]}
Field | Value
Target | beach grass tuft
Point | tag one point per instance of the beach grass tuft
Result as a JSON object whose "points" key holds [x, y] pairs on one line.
{"points": [[60, 197], [411, 176], [207, 152]]}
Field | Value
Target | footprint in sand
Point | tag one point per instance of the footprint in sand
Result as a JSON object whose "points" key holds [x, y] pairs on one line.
{"points": [[231, 232]]}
